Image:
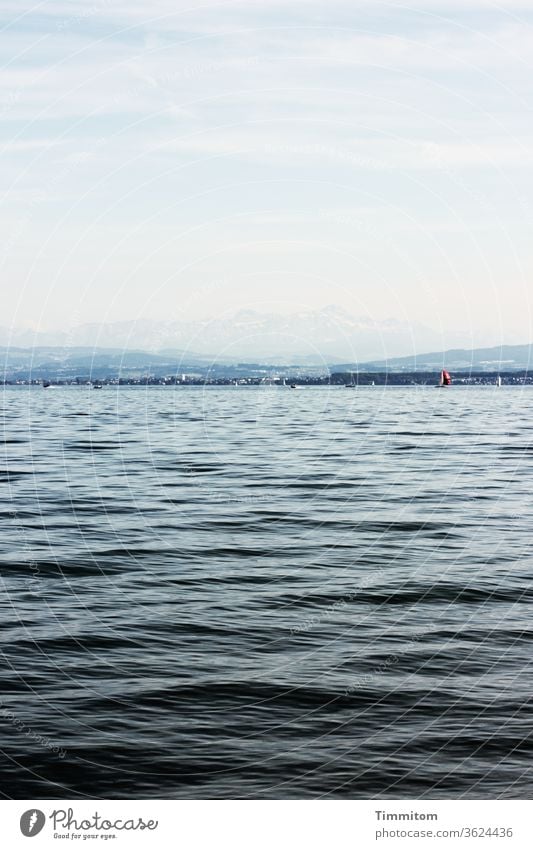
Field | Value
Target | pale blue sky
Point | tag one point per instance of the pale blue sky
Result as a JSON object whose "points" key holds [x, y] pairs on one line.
{"points": [[171, 160]]}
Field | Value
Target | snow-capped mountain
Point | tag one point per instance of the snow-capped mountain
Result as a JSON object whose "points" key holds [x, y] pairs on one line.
{"points": [[329, 335]]}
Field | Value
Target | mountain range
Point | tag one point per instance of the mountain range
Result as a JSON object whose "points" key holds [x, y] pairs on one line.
{"points": [[247, 342], [316, 337]]}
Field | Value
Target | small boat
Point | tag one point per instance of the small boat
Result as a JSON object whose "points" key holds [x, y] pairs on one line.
{"points": [[46, 384], [295, 386], [445, 378], [498, 381]]}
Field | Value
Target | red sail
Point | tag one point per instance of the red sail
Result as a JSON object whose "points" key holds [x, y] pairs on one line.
{"points": [[446, 379]]}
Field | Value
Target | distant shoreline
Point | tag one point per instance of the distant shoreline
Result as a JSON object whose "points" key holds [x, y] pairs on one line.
{"points": [[339, 379]]}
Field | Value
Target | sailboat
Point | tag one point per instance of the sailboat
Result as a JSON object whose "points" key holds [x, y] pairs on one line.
{"points": [[352, 384], [498, 381], [445, 378]]}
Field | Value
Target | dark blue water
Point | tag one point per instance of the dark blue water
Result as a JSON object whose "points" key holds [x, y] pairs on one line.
{"points": [[262, 593]]}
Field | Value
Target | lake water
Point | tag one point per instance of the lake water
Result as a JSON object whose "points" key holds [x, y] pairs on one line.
{"points": [[266, 593]]}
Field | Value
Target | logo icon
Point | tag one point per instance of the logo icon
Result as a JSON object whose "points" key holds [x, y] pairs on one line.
{"points": [[32, 822]]}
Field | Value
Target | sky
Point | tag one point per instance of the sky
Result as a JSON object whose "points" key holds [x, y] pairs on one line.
{"points": [[173, 160]]}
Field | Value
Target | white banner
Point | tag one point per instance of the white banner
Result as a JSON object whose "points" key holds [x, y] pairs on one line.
{"points": [[264, 824]]}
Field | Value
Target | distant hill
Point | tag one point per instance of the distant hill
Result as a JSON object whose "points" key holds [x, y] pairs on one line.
{"points": [[58, 357], [63, 363], [500, 357], [71, 362]]}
